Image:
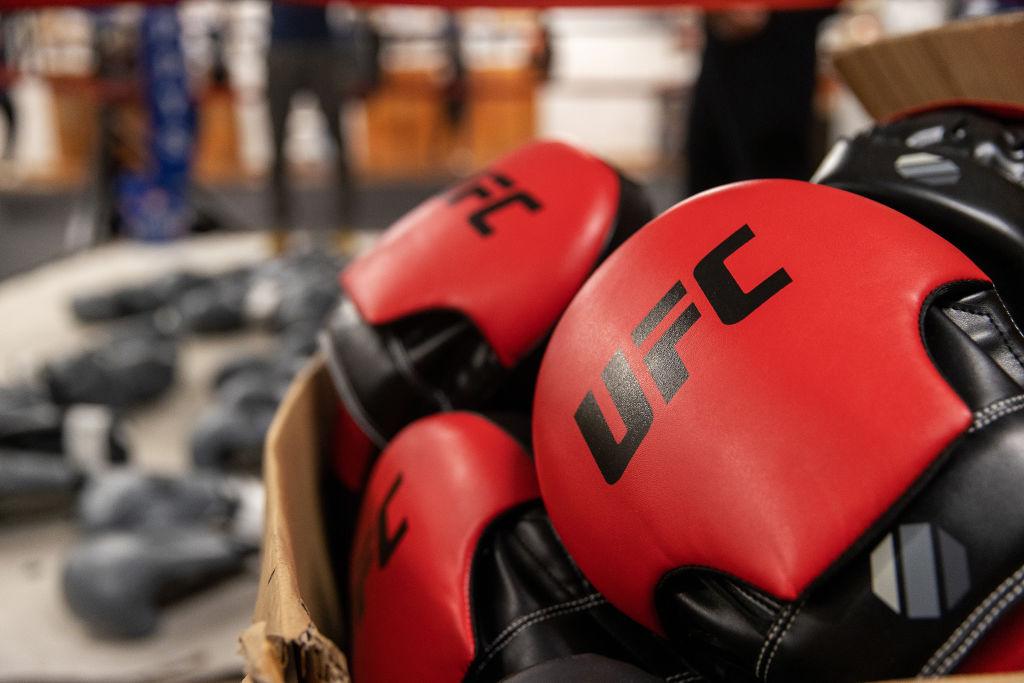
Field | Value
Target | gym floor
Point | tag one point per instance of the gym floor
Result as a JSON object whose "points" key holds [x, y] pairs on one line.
{"points": [[37, 226], [197, 638]]}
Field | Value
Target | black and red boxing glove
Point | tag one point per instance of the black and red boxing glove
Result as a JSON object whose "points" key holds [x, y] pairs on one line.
{"points": [[460, 292], [783, 425], [457, 574], [958, 170]]}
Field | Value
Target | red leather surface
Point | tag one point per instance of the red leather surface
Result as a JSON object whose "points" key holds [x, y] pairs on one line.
{"points": [[1001, 650], [514, 283], [1002, 109], [353, 451], [459, 471], [798, 426]]}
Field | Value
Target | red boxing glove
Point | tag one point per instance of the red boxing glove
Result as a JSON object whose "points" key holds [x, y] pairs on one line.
{"points": [[782, 426], [457, 574], [450, 308]]}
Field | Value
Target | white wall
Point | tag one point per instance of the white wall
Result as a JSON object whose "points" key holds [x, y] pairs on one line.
{"points": [[612, 71]]}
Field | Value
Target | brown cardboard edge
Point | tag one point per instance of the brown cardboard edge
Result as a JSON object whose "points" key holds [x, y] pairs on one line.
{"points": [[297, 609], [935, 57]]}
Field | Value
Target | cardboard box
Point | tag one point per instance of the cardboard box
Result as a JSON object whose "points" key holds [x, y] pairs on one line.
{"points": [[298, 616], [977, 60]]}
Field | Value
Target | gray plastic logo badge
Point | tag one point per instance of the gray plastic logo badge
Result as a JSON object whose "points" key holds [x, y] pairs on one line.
{"points": [[919, 571]]}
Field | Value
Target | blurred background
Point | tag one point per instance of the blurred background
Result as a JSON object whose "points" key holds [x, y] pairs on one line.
{"points": [[93, 106], [179, 185]]}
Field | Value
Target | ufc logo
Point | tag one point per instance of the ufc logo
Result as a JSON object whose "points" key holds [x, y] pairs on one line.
{"points": [[387, 542], [662, 361], [486, 186]]}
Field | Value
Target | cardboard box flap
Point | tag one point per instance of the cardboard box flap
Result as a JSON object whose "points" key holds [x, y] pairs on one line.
{"points": [[970, 60], [297, 612]]}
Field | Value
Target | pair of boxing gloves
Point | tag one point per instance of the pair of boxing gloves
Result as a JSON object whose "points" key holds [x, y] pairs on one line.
{"points": [[776, 434]]}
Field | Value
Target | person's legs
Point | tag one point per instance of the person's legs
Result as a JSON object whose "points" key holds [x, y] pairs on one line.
{"points": [[753, 103], [7, 107], [328, 86], [710, 154], [279, 95], [769, 90], [781, 144]]}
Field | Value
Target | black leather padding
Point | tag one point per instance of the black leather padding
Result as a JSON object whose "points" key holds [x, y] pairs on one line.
{"points": [[392, 374], [974, 344], [959, 172], [530, 604], [634, 212], [435, 360], [591, 668], [935, 573]]}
